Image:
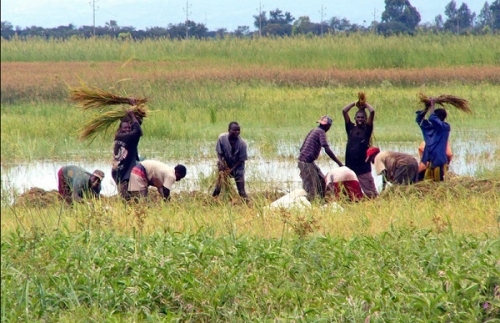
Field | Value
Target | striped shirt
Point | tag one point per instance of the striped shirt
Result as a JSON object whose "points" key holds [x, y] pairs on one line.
{"points": [[311, 148]]}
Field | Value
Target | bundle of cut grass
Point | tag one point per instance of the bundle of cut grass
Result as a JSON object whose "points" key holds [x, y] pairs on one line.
{"points": [[223, 181], [102, 122], [88, 97], [459, 103], [361, 99]]}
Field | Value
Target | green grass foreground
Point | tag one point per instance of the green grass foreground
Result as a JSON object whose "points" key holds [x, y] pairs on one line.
{"points": [[398, 276]]}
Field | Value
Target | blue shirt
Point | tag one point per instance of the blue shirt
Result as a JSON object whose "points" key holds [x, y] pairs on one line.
{"points": [[436, 134]]}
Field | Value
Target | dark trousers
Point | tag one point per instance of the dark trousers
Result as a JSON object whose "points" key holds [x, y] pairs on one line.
{"points": [[313, 180]]}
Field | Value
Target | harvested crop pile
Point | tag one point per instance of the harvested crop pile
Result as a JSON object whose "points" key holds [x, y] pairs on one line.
{"points": [[456, 186], [37, 197]]}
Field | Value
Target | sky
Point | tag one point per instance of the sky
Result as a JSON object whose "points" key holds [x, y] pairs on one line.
{"points": [[215, 14]]}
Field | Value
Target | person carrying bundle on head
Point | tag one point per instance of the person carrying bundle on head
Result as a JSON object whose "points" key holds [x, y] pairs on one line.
{"points": [[75, 183], [436, 132], [125, 152], [358, 140]]}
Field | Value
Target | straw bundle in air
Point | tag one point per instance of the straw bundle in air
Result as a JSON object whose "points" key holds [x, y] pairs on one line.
{"points": [[101, 122], [361, 99], [88, 97], [459, 103]]}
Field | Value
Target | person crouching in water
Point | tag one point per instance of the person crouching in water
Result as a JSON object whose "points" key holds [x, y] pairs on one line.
{"points": [[75, 183], [154, 173], [313, 180], [343, 182], [231, 156], [395, 167]]}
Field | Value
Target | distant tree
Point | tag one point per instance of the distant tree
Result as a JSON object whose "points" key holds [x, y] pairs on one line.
{"points": [[399, 16], [7, 30], [338, 24], [242, 31], [495, 12], [439, 22], [278, 24], [260, 20], [277, 30], [194, 30], [112, 25], [461, 19], [154, 32], [221, 32], [302, 25], [485, 17], [277, 17]]}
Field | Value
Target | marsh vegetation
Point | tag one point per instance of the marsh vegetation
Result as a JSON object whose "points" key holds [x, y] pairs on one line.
{"points": [[423, 253]]}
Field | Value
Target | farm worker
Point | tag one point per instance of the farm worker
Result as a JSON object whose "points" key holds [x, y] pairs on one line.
{"points": [[154, 173], [344, 181], [313, 180], [231, 156], [358, 140], [125, 153], [75, 183], [423, 167], [395, 167], [436, 132]]}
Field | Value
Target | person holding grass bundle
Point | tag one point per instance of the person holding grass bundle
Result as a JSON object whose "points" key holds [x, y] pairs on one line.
{"points": [[358, 140], [231, 156], [75, 183], [154, 173], [125, 153], [395, 167], [436, 132], [313, 180]]}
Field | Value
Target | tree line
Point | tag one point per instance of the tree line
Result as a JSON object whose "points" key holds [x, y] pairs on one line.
{"points": [[399, 17]]}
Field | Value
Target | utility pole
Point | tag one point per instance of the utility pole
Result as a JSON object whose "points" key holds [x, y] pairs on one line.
{"points": [[260, 19], [93, 12], [187, 19], [374, 18], [322, 16]]}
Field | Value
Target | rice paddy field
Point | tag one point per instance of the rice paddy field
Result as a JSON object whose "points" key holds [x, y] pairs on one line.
{"points": [[425, 253]]}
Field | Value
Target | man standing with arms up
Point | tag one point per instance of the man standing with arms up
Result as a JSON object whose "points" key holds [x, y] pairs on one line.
{"points": [[436, 132], [358, 141], [313, 180]]}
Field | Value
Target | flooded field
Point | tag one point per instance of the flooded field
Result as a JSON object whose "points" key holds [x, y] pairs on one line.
{"points": [[470, 159]]}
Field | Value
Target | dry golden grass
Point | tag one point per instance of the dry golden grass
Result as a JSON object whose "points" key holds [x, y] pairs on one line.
{"points": [[458, 204], [38, 78], [459, 103]]}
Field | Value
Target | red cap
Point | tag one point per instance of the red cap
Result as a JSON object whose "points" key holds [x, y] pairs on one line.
{"points": [[371, 151]]}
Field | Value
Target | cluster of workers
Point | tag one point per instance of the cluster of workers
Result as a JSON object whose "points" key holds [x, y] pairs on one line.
{"points": [[354, 180]]}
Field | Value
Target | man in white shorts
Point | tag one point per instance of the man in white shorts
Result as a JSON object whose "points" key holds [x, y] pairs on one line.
{"points": [[154, 173]]}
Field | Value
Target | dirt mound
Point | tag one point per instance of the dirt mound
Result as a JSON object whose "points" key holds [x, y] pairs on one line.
{"points": [[37, 197]]}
